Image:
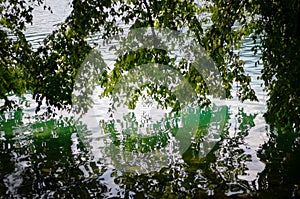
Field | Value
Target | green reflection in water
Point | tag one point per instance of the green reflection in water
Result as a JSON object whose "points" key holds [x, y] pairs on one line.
{"points": [[44, 159], [47, 158], [158, 134], [214, 175], [142, 146]]}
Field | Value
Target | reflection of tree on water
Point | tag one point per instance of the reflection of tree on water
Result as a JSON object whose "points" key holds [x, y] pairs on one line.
{"points": [[47, 158], [281, 177], [44, 159], [216, 174], [148, 146]]}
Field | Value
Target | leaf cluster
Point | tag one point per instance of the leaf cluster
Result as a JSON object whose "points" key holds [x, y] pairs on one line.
{"points": [[218, 26]]}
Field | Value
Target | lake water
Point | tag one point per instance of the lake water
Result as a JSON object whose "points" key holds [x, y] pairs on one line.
{"points": [[64, 158]]}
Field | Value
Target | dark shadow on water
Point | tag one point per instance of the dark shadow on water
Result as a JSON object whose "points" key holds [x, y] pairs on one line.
{"points": [[281, 177]]}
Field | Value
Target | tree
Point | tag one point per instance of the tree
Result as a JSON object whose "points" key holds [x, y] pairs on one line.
{"points": [[280, 40], [216, 25]]}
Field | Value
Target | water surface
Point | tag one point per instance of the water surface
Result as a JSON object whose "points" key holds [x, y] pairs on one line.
{"points": [[65, 158]]}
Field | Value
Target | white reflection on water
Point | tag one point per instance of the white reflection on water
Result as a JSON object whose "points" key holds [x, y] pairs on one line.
{"points": [[44, 22]]}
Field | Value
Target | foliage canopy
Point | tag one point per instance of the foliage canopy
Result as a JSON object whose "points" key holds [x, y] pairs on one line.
{"points": [[48, 72]]}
